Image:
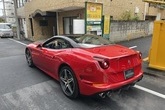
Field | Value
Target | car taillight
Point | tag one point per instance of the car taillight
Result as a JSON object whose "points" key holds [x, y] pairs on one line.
{"points": [[140, 54], [103, 62]]}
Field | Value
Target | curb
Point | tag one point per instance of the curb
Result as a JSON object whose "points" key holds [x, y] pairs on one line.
{"points": [[153, 72]]}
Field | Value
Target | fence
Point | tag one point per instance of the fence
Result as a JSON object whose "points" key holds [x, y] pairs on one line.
{"points": [[126, 30]]}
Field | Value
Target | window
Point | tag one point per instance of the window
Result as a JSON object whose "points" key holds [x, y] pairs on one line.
{"points": [[68, 24], [91, 39], [21, 3], [31, 24], [111, 17], [57, 43], [5, 26]]}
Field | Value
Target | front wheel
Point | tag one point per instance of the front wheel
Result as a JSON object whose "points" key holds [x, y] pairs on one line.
{"points": [[29, 58], [68, 82]]}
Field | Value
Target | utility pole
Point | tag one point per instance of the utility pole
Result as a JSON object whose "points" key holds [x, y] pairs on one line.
{"points": [[4, 10], [16, 18]]}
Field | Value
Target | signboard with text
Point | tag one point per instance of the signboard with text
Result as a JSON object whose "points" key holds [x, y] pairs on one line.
{"points": [[93, 16]]}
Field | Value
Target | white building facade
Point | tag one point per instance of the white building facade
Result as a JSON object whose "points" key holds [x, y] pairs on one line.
{"points": [[9, 13]]}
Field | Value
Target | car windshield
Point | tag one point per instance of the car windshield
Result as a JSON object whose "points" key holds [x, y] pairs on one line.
{"points": [[5, 26], [90, 40]]}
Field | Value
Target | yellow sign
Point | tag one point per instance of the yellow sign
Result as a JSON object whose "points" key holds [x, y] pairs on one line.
{"points": [[94, 11], [106, 24]]}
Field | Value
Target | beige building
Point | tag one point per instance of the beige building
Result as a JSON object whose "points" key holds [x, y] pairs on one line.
{"points": [[41, 19]]}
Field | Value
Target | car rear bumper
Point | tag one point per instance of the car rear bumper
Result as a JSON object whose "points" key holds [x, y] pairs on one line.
{"points": [[88, 88], [6, 35]]}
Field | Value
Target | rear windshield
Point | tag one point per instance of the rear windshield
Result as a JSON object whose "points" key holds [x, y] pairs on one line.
{"points": [[90, 39], [5, 26]]}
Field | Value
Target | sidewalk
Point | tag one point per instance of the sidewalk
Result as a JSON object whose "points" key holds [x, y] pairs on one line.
{"points": [[23, 40], [153, 72]]}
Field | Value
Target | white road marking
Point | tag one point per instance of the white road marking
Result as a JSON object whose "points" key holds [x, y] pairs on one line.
{"points": [[18, 42], [136, 86], [132, 47], [150, 91]]}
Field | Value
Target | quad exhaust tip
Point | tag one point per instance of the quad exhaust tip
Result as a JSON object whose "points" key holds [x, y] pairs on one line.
{"points": [[105, 94], [109, 93], [102, 95]]}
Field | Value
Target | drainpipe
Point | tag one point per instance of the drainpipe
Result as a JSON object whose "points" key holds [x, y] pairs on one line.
{"points": [[145, 10], [16, 18], [57, 23]]}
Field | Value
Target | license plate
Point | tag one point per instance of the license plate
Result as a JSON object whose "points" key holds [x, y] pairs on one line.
{"points": [[129, 73]]}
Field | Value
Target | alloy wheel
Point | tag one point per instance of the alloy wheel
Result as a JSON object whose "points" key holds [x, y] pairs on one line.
{"points": [[29, 58], [68, 82]]}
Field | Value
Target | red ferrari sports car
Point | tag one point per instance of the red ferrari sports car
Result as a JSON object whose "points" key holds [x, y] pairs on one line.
{"points": [[87, 64]]}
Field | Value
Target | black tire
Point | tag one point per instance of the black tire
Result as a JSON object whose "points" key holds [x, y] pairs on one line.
{"points": [[29, 58], [68, 82]]}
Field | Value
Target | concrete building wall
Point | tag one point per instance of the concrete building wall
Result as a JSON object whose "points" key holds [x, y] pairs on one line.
{"points": [[153, 10], [9, 11], [163, 15], [126, 30], [117, 7], [21, 12], [114, 7], [42, 32]]}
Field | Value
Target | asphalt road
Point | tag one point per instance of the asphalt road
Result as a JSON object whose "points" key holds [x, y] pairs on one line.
{"points": [[25, 88]]}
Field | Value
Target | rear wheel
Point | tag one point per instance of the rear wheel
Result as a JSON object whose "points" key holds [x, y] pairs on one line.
{"points": [[29, 58], [68, 82]]}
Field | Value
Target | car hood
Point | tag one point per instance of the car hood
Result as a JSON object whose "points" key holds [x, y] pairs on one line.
{"points": [[111, 50], [4, 30]]}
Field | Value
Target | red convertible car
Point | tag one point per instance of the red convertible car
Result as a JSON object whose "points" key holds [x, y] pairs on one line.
{"points": [[87, 64]]}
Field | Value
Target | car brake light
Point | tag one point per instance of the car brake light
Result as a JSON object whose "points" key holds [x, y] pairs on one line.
{"points": [[103, 62], [140, 54]]}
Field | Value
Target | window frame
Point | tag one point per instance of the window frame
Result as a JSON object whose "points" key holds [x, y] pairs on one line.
{"points": [[53, 40]]}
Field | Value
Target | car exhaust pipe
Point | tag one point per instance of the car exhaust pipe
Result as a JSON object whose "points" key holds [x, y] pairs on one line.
{"points": [[140, 79], [102, 95], [119, 91], [109, 94], [127, 87]]}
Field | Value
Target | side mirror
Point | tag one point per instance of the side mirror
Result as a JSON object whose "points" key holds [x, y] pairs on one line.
{"points": [[39, 46]]}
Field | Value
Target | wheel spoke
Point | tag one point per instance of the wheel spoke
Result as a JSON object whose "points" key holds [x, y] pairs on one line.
{"points": [[63, 80], [70, 80], [65, 87], [65, 74], [29, 59], [70, 89]]}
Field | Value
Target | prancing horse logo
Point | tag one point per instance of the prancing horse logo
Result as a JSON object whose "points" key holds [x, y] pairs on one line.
{"points": [[129, 62]]}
